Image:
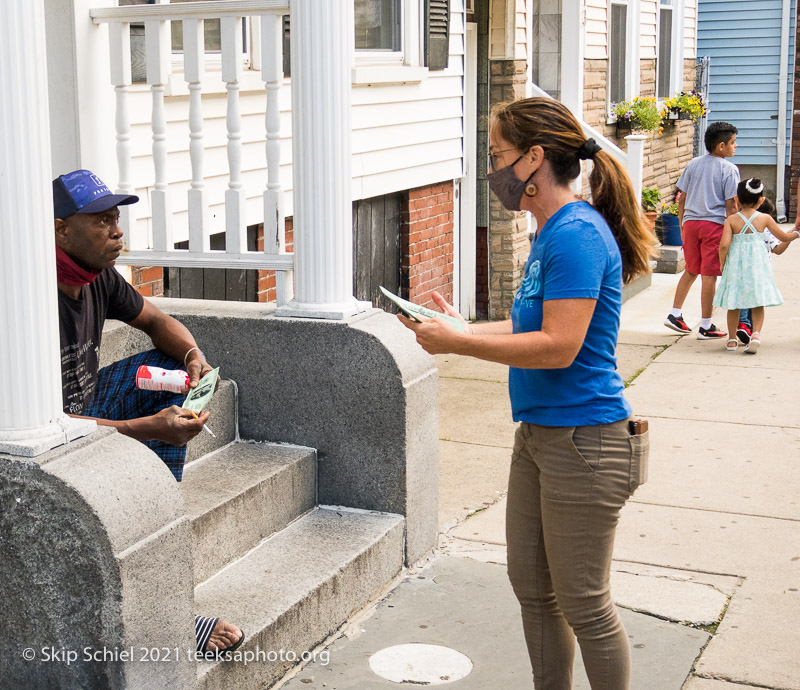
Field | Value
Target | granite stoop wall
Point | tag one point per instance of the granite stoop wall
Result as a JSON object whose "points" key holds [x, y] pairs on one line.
{"points": [[359, 391], [93, 563], [97, 547]]}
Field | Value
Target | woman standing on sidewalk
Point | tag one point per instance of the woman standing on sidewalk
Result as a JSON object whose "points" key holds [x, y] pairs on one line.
{"points": [[575, 462]]}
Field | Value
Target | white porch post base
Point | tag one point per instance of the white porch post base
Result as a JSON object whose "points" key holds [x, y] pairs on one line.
{"points": [[636, 162], [337, 312], [29, 443]]}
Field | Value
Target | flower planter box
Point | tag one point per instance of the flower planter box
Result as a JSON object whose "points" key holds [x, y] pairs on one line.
{"points": [[623, 127], [678, 115]]}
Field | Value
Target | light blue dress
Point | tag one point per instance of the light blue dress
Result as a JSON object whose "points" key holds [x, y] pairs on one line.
{"points": [[747, 279]]}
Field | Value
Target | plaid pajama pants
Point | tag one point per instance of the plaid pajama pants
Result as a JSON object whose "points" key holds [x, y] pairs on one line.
{"points": [[117, 398]]}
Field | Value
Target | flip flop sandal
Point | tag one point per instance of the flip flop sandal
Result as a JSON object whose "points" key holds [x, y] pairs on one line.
{"points": [[204, 626]]}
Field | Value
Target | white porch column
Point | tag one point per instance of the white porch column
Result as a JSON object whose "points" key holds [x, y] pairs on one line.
{"points": [[636, 162], [322, 53], [31, 417]]}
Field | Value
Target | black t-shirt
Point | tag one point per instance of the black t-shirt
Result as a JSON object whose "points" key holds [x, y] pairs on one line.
{"points": [[81, 327]]}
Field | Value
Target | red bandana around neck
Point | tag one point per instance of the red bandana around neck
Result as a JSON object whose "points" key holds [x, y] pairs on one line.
{"points": [[70, 273]]}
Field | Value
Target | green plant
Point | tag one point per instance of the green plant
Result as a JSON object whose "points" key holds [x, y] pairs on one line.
{"points": [[641, 113], [689, 102], [650, 198], [671, 209]]}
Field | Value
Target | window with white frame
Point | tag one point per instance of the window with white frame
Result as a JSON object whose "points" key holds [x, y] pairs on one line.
{"points": [[378, 25], [665, 48], [617, 50]]}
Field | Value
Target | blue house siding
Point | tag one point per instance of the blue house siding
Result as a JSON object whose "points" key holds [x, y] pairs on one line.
{"points": [[743, 40]]}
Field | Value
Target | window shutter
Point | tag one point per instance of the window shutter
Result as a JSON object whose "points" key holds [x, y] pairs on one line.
{"points": [[437, 33], [287, 52]]}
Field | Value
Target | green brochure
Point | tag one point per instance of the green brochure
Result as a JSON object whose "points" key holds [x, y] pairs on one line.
{"points": [[200, 396], [414, 311]]}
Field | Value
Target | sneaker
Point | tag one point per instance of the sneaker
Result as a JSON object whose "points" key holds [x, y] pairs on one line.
{"points": [[676, 323], [710, 333], [743, 332]]}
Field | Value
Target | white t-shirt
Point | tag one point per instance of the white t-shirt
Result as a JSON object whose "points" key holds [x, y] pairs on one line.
{"points": [[770, 240]]}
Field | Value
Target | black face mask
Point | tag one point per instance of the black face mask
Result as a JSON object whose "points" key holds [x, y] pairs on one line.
{"points": [[508, 188]]}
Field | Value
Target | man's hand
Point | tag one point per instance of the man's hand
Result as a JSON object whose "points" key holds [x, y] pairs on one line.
{"points": [[175, 425], [197, 367]]}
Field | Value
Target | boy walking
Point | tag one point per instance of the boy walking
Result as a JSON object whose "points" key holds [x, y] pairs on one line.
{"points": [[709, 186]]}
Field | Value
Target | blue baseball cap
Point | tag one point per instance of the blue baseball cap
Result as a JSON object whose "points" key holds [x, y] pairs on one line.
{"points": [[82, 191]]}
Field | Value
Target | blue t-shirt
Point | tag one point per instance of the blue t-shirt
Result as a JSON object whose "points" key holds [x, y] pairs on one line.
{"points": [[573, 256]]}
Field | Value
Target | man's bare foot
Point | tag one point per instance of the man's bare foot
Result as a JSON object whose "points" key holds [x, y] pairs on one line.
{"points": [[223, 636]]}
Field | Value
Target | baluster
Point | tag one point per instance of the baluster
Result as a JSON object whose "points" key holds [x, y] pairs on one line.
{"points": [[235, 223], [158, 54], [193, 69], [274, 219], [119, 38]]}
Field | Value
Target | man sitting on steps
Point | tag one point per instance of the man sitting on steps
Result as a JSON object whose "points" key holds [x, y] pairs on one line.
{"points": [[88, 242]]}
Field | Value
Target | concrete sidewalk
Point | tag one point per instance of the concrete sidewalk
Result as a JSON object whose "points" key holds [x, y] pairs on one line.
{"points": [[707, 559]]}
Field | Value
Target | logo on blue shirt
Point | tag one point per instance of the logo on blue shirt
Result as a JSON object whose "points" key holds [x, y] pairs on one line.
{"points": [[531, 284]]}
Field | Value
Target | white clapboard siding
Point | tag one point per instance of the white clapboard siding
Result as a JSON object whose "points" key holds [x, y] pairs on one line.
{"points": [[648, 33], [597, 29], [521, 32], [404, 136], [690, 30], [597, 17], [501, 12]]}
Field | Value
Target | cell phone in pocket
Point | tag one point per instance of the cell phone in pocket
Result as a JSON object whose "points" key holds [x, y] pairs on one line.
{"points": [[636, 427]]}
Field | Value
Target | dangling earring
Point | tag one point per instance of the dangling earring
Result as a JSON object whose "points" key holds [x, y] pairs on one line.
{"points": [[531, 189]]}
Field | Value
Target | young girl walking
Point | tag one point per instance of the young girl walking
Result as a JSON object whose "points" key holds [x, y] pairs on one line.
{"points": [[747, 281]]}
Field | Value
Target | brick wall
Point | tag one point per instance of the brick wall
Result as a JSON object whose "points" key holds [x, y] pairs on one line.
{"points": [[481, 273], [148, 280], [266, 279], [427, 243], [665, 155]]}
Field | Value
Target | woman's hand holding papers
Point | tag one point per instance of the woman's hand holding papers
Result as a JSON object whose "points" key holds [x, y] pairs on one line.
{"points": [[436, 336]]}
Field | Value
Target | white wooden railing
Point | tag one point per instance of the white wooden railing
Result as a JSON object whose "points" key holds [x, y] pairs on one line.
{"points": [[267, 15]]}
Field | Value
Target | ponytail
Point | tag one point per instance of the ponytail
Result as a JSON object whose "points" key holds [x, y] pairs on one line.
{"points": [[549, 123], [614, 199]]}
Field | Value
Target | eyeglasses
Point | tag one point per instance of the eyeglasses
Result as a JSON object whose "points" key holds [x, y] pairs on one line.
{"points": [[492, 160]]}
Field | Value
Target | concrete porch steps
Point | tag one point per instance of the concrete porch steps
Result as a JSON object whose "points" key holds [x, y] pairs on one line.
{"points": [[267, 557], [296, 588], [241, 494]]}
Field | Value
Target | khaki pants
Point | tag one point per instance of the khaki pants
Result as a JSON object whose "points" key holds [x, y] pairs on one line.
{"points": [[566, 488]]}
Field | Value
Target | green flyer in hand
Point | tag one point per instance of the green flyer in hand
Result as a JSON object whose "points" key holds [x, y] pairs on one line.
{"points": [[415, 310], [200, 396]]}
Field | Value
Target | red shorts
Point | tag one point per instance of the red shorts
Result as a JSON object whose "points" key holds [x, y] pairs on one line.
{"points": [[701, 247]]}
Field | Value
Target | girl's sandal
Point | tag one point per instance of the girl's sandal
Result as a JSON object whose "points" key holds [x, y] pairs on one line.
{"points": [[752, 347], [731, 345]]}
